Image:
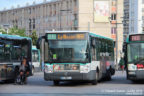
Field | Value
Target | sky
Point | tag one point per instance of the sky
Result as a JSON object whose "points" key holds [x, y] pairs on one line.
{"points": [[9, 3]]}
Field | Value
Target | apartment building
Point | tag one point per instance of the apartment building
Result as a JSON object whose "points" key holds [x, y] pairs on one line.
{"points": [[126, 19], [133, 17], [102, 17]]}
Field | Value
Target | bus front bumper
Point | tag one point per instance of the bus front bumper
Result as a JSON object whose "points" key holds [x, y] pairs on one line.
{"points": [[70, 76], [136, 75]]}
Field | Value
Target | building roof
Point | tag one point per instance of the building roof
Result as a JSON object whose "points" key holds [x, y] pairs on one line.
{"points": [[32, 5]]}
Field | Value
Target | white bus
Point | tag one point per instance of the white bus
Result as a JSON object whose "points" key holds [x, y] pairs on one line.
{"points": [[12, 50], [77, 55], [36, 60]]}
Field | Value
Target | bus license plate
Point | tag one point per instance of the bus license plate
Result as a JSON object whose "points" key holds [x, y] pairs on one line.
{"points": [[66, 78]]}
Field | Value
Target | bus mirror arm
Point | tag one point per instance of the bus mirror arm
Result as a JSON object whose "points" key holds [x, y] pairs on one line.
{"points": [[39, 41]]}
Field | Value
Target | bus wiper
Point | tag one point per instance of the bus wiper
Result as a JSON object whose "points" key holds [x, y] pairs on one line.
{"points": [[138, 61]]}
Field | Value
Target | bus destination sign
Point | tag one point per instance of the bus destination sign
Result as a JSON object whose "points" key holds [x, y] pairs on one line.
{"points": [[66, 36], [136, 38]]}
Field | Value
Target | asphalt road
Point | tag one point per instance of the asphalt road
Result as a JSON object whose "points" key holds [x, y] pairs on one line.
{"points": [[36, 86]]}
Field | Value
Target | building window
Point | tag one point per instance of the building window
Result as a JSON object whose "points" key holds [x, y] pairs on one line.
{"points": [[113, 30], [50, 8], [113, 16], [67, 4], [33, 23], [113, 2], [29, 24], [33, 10], [75, 2], [29, 10], [54, 9]]}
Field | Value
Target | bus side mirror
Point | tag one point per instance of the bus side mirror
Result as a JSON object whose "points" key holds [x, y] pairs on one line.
{"points": [[38, 43]]}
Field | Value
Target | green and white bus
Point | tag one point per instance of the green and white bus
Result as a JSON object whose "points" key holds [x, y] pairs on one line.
{"points": [[35, 60], [12, 50], [134, 57], [77, 55]]}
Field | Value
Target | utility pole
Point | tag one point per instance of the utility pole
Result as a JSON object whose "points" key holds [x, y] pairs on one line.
{"points": [[116, 43], [88, 26]]}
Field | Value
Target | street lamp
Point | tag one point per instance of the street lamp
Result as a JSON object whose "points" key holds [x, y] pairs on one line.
{"points": [[116, 43]]}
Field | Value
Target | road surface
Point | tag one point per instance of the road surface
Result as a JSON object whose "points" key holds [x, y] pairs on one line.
{"points": [[36, 86]]}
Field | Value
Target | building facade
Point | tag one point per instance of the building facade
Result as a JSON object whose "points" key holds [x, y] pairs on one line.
{"points": [[133, 17], [102, 17], [55, 15], [126, 19]]}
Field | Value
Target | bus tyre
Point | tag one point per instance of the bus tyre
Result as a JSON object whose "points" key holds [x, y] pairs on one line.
{"points": [[108, 77], [56, 83], [94, 82], [112, 71]]}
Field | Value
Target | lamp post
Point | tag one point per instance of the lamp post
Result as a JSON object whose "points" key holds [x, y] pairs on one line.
{"points": [[116, 43]]}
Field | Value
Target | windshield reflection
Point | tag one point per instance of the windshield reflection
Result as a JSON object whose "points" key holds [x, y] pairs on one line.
{"points": [[135, 52], [67, 51]]}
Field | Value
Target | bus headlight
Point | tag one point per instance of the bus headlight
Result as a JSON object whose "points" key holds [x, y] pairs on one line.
{"points": [[84, 68], [48, 68], [132, 67]]}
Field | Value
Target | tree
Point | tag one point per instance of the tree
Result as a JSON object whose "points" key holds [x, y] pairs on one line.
{"points": [[17, 31], [34, 37], [3, 31]]}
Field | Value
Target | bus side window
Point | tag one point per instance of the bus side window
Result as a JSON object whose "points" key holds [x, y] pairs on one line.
{"points": [[107, 46], [93, 50], [111, 50], [97, 49], [103, 47], [46, 51], [1, 51]]}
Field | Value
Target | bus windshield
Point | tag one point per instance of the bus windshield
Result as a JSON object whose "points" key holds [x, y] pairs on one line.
{"points": [[135, 52], [13, 51], [67, 51]]}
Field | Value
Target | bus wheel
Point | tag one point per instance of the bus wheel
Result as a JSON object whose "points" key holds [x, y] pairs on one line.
{"points": [[108, 77], [94, 82], [56, 82]]}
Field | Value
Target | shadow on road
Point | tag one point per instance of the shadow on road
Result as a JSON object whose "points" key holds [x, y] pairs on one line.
{"points": [[138, 82], [37, 80], [73, 83]]}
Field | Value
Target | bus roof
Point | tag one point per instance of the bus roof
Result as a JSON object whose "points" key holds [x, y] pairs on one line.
{"points": [[99, 36], [13, 37], [91, 34], [67, 31]]}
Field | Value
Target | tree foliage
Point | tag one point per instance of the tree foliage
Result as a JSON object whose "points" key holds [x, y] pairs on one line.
{"points": [[34, 37], [20, 32], [17, 31], [2, 31]]}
